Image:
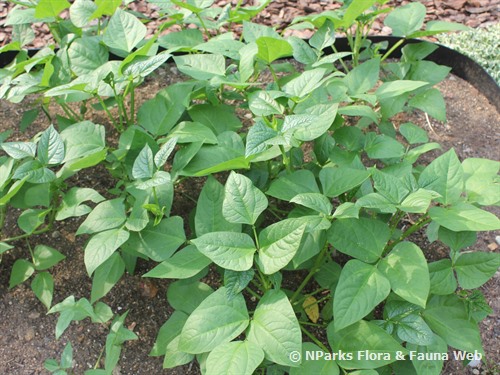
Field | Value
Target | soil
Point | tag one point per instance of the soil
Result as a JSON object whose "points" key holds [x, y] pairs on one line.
{"points": [[27, 333]]}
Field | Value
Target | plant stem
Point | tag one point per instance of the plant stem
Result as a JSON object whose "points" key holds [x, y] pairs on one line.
{"points": [[419, 224], [393, 48], [132, 104], [275, 77], [256, 237], [311, 324], [314, 339], [341, 60], [111, 118], [250, 291], [286, 159], [68, 113]]}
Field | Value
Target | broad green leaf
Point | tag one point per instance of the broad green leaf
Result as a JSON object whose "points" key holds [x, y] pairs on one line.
{"points": [[220, 118], [185, 39], [464, 217], [106, 276], [262, 103], [144, 165], [45, 257], [442, 279], [243, 202], [21, 271], [418, 352], [456, 240], [360, 110], [383, 147], [447, 316], [168, 331], [50, 149], [202, 66], [71, 203], [475, 269], [324, 36], [31, 219], [361, 238], [444, 175], [164, 152], [407, 19], [414, 134], [254, 31], [4, 246], [215, 321], [288, 186], [208, 217], [50, 8], [346, 210], [186, 297], [174, 356], [363, 338], [105, 7], [182, 265], [270, 49], [235, 281], [315, 201], [82, 139], [390, 186], [247, 59], [187, 132], [395, 88], [377, 202], [302, 52], [406, 267], [159, 242], [431, 102], [43, 287], [322, 116], [230, 250], [81, 11], [418, 201], [106, 215], [259, 138], [34, 172], [275, 328], [413, 329], [86, 55], [279, 243], [19, 150], [353, 11], [320, 365], [305, 83], [360, 289], [481, 181], [101, 246], [237, 357], [363, 77], [124, 31], [142, 66], [338, 180]]}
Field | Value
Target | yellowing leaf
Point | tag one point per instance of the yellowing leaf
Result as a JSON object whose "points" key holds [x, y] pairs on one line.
{"points": [[311, 308]]}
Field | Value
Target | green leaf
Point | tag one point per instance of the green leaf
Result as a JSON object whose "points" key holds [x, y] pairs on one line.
{"points": [[144, 165], [105, 7], [237, 357], [21, 271], [444, 175], [50, 8], [229, 250], [182, 265], [19, 150], [321, 366], [262, 103], [418, 201], [442, 279], [422, 365], [275, 328], [215, 321], [187, 297], [288, 186], [102, 246], [220, 118], [31, 219], [201, 66], [338, 180], [43, 287], [391, 187], [360, 289], [475, 269], [187, 132], [142, 66], [106, 276], [363, 77], [185, 39], [362, 238], [363, 338], [235, 281], [168, 331], [271, 49], [50, 150], [324, 36], [106, 215], [81, 11], [305, 83], [243, 202], [164, 152], [174, 356], [315, 201], [124, 31], [413, 329], [406, 267], [86, 55], [464, 217], [208, 217], [414, 134], [456, 240], [159, 242], [383, 147], [45, 257], [431, 102], [406, 19], [447, 316], [302, 52], [34, 172], [279, 243], [395, 88], [71, 203], [481, 181], [83, 139]]}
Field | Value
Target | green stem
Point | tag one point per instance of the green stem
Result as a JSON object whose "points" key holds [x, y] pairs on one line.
{"points": [[68, 113], [286, 159], [255, 236], [111, 118], [415, 227], [258, 285], [3, 215], [132, 105], [341, 60], [311, 324], [203, 25], [25, 235], [314, 269], [251, 292], [263, 280], [314, 339], [393, 48], [275, 77]]}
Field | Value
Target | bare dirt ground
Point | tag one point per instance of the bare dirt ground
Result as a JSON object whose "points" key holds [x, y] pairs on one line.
{"points": [[27, 333]]}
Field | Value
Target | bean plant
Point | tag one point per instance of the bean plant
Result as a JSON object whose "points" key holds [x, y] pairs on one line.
{"points": [[311, 189]]}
